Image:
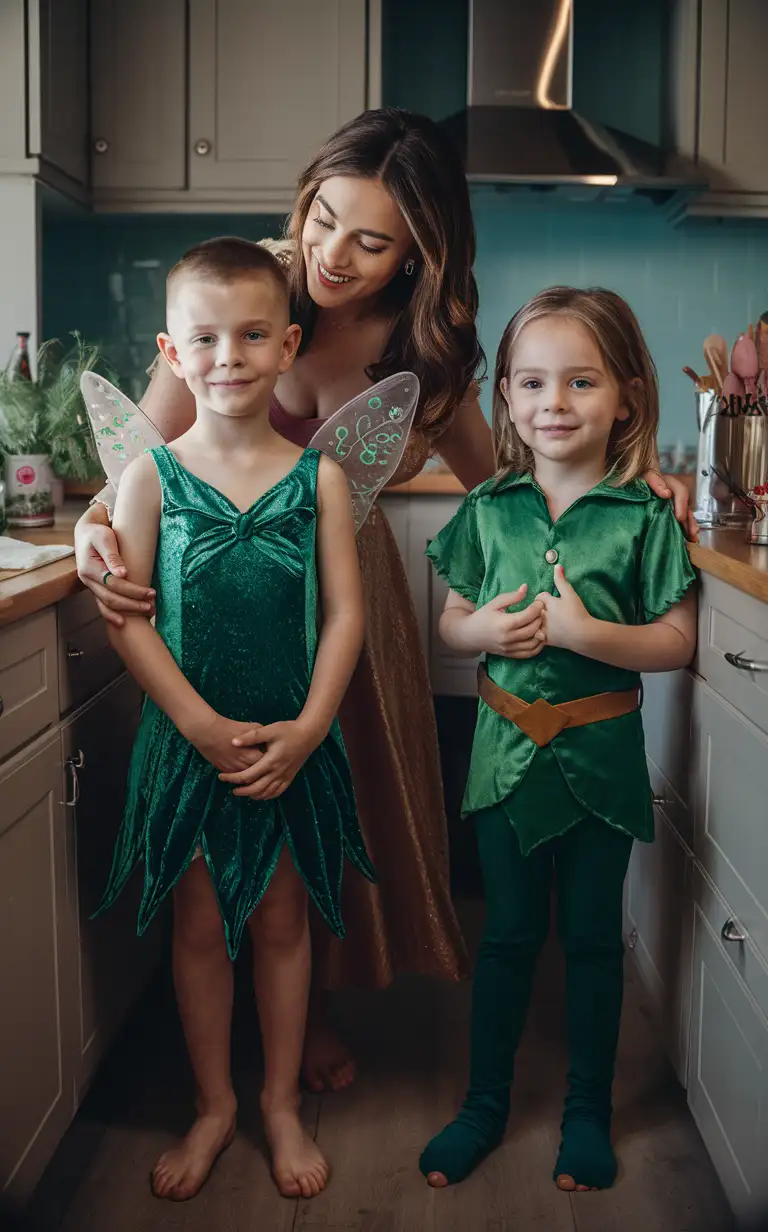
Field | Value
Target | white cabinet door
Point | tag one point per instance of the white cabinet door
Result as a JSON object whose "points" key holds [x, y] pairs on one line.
{"points": [[730, 768], [58, 81], [451, 675], [659, 922], [269, 82], [728, 1076], [138, 94], [114, 964], [36, 974]]}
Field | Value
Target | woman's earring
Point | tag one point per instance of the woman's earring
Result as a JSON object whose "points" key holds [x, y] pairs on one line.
{"points": [[410, 266]]}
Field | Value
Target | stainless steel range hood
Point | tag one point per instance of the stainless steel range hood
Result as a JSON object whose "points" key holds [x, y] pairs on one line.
{"points": [[520, 128]]}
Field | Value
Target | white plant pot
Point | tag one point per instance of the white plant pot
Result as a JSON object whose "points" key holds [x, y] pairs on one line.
{"points": [[28, 496]]}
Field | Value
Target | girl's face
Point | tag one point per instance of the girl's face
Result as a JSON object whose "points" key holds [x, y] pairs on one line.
{"points": [[562, 398], [354, 241]]}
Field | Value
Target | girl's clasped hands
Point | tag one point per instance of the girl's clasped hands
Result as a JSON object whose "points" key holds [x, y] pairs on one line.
{"points": [[549, 620]]}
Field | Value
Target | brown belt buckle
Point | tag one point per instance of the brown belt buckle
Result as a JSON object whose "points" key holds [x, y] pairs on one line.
{"points": [[542, 721]]}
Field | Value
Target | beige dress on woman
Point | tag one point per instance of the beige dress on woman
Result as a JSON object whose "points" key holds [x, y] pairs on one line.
{"points": [[406, 922]]}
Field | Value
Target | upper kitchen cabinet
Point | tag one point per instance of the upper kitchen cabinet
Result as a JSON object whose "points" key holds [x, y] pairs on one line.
{"points": [[44, 91], [138, 90], [218, 105], [722, 100], [269, 82]]}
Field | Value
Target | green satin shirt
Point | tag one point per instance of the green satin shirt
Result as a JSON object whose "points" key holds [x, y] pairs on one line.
{"points": [[625, 556]]}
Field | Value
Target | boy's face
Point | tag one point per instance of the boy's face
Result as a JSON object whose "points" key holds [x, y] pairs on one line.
{"points": [[229, 341]]}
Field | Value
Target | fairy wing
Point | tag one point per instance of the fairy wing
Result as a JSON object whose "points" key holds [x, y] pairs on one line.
{"points": [[121, 431], [367, 437]]}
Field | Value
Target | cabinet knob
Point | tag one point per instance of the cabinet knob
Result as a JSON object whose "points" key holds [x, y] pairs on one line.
{"points": [[203, 147], [100, 145], [745, 665], [632, 939], [661, 801], [731, 932]]}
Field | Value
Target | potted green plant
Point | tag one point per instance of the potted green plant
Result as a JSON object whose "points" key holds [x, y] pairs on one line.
{"points": [[44, 431]]}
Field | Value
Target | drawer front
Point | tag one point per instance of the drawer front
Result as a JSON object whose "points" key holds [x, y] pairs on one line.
{"points": [[667, 701], [734, 623], [87, 661], [28, 684], [730, 776], [728, 1075]]}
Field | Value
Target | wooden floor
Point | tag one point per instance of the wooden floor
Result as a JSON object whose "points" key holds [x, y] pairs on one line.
{"points": [[411, 1043]]}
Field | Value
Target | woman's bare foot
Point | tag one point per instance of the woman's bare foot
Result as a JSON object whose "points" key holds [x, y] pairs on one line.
{"points": [[327, 1065], [298, 1165], [180, 1173]]}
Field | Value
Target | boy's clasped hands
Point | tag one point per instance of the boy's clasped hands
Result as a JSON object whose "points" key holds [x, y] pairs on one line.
{"points": [[549, 620], [260, 761]]}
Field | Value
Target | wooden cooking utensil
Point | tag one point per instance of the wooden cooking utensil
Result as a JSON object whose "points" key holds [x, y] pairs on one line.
{"points": [[716, 355]]}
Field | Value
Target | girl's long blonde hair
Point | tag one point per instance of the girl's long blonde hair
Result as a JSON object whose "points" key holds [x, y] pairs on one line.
{"points": [[632, 443]]}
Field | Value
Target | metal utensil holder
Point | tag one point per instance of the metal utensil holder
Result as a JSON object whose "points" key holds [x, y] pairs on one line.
{"points": [[732, 458]]}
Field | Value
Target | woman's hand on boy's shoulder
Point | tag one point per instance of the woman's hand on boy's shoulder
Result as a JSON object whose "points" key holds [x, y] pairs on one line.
{"points": [[669, 487]]}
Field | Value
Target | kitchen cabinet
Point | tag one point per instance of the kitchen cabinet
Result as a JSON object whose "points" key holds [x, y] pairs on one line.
{"points": [[721, 90], [416, 519], [37, 984], [269, 82], [217, 105], [66, 981], [138, 95], [44, 91], [659, 924], [696, 905], [96, 749]]}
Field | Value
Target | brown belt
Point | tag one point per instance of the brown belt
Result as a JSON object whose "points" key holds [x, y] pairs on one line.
{"points": [[542, 721]]}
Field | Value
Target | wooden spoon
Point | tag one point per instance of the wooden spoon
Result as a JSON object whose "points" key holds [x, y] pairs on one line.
{"points": [[716, 355]]}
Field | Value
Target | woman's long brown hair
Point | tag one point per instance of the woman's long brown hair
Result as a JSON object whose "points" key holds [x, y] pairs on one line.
{"points": [[435, 309]]}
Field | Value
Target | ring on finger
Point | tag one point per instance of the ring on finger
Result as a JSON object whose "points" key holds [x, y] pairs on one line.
{"points": [[108, 574]]}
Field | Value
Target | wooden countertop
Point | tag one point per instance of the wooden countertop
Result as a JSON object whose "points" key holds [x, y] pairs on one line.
{"points": [[726, 555], [38, 588], [723, 553]]}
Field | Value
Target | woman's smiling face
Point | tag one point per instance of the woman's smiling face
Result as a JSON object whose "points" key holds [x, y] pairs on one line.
{"points": [[354, 241]]}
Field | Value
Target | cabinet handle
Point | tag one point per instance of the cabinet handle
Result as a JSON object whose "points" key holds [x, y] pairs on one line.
{"points": [[73, 764], [101, 146], [73, 652], [632, 939], [745, 665], [731, 932], [661, 801], [203, 147]]}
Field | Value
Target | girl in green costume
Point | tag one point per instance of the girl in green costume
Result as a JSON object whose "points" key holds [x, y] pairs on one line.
{"points": [[572, 578], [242, 534]]}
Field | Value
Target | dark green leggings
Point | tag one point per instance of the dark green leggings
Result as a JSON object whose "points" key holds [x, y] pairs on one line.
{"points": [[590, 862]]}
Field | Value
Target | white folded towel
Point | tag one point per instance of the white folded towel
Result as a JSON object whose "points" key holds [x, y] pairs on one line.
{"points": [[15, 554]]}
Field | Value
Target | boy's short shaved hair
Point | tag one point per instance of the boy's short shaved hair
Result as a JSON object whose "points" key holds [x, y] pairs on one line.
{"points": [[225, 259]]}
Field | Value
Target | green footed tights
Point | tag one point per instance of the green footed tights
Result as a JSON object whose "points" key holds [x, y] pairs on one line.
{"points": [[590, 862]]}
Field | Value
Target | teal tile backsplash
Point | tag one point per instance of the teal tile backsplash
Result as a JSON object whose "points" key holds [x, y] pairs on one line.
{"points": [[104, 275]]}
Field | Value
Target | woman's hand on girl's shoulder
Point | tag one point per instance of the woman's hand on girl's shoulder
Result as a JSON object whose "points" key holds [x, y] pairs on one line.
{"points": [[671, 488]]}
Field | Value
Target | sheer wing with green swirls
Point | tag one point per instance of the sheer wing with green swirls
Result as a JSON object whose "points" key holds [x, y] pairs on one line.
{"points": [[367, 437], [121, 431]]}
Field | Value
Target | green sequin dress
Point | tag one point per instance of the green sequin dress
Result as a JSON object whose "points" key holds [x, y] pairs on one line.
{"points": [[237, 608]]}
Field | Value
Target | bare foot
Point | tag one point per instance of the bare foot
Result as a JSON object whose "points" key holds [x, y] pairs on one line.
{"points": [[298, 1165], [568, 1185], [438, 1180], [327, 1064], [180, 1173]]}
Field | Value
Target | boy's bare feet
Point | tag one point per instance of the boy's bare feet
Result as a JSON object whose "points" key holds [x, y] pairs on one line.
{"points": [[327, 1065], [180, 1173], [298, 1165]]}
